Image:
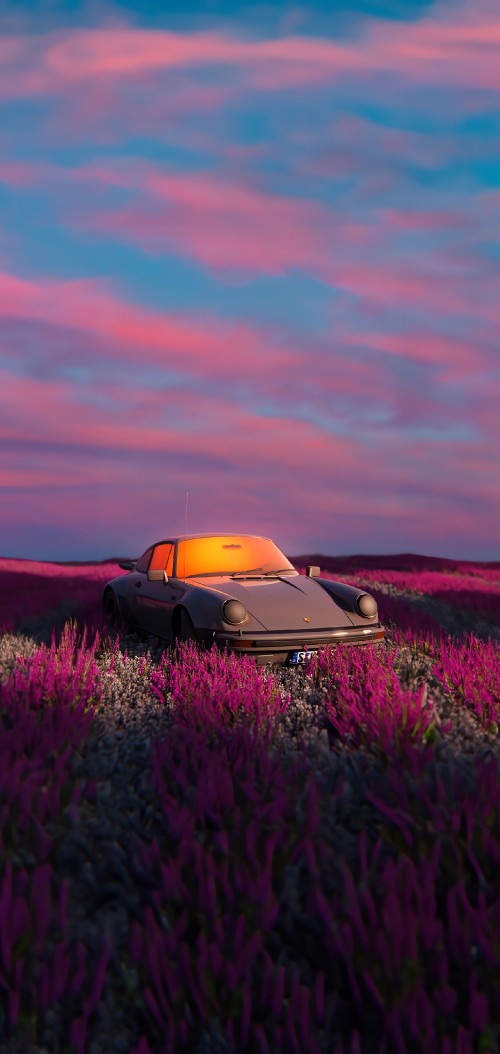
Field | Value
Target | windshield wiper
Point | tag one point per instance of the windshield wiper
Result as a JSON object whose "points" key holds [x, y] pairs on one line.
{"points": [[251, 571], [280, 571], [207, 574], [263, 574]]}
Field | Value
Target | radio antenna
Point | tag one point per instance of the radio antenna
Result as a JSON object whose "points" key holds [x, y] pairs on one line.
{"points": [[186, 517]]}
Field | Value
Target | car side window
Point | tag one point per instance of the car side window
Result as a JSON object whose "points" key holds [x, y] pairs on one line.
{"points": [[163, 558], [143, 561]]}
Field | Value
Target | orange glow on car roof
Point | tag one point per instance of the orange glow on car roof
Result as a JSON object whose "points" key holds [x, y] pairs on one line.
{"points": [[227, 553]]}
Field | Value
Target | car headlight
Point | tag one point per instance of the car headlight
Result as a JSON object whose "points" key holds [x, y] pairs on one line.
{"points": [[366, 605], [234, 612]]}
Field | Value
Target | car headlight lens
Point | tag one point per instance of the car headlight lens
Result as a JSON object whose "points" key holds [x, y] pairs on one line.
{"points": [[366, 605], [234, 612]]}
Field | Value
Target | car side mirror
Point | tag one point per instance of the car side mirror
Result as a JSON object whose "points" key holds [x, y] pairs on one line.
{"points": [[126, 565], [312, 571], [157, 576]]}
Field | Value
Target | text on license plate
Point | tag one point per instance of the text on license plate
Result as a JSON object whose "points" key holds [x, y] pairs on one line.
{"points": [[300, 656]]}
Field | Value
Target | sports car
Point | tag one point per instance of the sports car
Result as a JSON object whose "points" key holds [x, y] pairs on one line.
{"points": [[241, 593]]}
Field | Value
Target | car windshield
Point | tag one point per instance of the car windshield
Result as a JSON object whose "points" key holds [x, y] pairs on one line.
{"points": [[228, 554]]}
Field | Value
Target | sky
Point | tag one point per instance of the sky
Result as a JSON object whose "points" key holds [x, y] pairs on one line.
{"points": [[250, 275]]}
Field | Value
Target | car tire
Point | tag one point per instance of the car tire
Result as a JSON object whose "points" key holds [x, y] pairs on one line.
{"points": [[112, 612], [186, 628]]}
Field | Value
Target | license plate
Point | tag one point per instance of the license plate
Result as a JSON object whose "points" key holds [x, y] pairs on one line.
{"points": [[300, 656]]}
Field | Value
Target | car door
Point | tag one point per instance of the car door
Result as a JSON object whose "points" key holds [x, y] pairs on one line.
{"points": [[156, 599], [135, 586]]}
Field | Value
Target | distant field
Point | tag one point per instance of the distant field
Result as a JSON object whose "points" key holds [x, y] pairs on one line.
{"points": [[35, 594], [466, 595], [458, 596], [198, 856]]}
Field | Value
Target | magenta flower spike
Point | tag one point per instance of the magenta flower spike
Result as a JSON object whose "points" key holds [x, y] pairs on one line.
{"points": [[142, 1047], [5, 917], [14, 1001], [42, 901]]}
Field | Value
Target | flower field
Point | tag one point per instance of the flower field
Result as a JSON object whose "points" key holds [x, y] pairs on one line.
{"points": [[469, 590], [199, 855]]}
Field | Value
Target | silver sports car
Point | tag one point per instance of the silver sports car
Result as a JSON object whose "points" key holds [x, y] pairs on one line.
{"points": [[242, 593]]}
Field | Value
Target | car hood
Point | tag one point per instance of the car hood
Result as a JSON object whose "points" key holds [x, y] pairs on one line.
{"points": [[282, 603]]}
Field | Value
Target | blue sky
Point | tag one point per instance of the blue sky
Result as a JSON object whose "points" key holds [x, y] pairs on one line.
{"points": [[250, 252]]}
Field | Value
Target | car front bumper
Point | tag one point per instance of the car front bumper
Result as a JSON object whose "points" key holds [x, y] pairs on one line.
{"points": [[278, 647]]}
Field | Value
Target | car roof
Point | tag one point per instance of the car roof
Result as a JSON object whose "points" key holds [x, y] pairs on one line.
{"points": [[208, 534]]}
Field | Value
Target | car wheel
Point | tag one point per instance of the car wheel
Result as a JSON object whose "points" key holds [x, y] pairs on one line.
{"points": [[186, 627], [112, 612]]}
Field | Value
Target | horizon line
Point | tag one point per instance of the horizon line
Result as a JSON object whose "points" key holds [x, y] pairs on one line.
{"points": [[297, 558]]}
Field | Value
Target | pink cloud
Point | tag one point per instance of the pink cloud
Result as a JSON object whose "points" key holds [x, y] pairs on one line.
{"points": [[456, 356], [209, 347], [198, 445], [109, 110], [304, 494], [85, 453], [358, 137], [359, 142], [454, 46], [222, 223], [24, 173], [458, 284], [424, 220], [60, 415], [123, 461], [233, 225], [114, 337]]}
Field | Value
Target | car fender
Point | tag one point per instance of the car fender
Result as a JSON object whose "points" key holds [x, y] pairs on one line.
{"points": [[204, 608], [346, 596]]}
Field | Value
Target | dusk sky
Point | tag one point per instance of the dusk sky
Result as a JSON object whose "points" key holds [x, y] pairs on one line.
{"points": [[251, 252]]}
